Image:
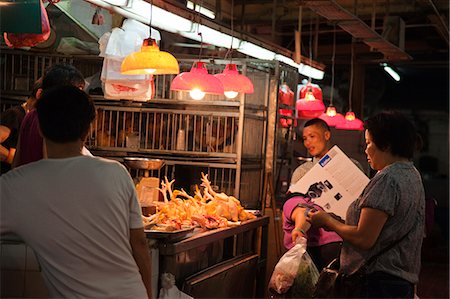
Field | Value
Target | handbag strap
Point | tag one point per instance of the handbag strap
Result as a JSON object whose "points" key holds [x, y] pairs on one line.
{"points": [[387, 248]]}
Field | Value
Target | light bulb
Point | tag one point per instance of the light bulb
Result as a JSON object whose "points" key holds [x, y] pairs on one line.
{"points": [[331, 111], [149, 71], [350, 116], [231, 94], [196, 94], [309, 96]]}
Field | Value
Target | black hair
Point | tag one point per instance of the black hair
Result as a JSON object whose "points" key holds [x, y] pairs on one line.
{"points": [[62, 74], [36, 86], [65, 113], [393, 131], [319, 122]]}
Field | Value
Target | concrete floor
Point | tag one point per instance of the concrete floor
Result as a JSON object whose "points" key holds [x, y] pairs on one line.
{"points": [[434, 275]]}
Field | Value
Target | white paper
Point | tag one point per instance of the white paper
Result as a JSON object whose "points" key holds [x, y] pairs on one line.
{"points": [[333, 183]]}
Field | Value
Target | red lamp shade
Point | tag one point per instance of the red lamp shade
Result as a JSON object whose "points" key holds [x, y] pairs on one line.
{"points": [[198, 81], [351, 123], [310, 104], [331, 117], [285, 122], [233, 82], [285, 95], [311, 88], [310, 109]]}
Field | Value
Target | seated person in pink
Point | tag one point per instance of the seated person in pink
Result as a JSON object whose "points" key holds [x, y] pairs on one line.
{"points": [[322, 246]]}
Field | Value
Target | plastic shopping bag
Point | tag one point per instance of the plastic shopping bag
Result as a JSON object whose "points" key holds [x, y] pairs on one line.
{"points": [[295, 265]]}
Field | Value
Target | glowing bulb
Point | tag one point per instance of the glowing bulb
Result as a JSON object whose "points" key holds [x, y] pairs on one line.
{"points": [[350, 116], [309, 96], [149, 71], [197, 94], [331, 111], [231, 94]]}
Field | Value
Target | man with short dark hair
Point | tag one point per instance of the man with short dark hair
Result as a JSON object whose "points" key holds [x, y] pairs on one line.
{"points": [[316, 139], [30, 146], [79, 214]]}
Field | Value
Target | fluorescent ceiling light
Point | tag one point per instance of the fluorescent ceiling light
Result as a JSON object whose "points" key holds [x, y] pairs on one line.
{"points": [[310, 71], [162, 19], [256, 51], [303, 69], [198, 8], [391, 72]]}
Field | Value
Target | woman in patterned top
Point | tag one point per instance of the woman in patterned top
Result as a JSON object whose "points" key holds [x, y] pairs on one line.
{"points": [[390, 207]]}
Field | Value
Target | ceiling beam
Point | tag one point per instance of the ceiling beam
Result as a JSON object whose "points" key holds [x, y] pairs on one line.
{"points": [[333, 12]]}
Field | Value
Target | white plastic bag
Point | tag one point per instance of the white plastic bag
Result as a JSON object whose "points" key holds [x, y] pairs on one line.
{"points": [[114, 47], [294, 263], [169, 290]]}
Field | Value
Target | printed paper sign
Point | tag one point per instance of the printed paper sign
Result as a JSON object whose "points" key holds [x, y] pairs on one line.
{"points": [[333, 183]]}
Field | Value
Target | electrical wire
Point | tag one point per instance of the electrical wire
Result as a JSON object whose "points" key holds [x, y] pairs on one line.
{"points": [[198, 28], [230, 50], [333, 59], [350, 89], [310, 43]]}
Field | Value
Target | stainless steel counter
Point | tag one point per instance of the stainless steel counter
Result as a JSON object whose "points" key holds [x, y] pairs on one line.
{"points": [[235, 257]]}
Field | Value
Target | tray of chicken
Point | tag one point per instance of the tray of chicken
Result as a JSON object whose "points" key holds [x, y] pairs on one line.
{"points": [[180, 213]]}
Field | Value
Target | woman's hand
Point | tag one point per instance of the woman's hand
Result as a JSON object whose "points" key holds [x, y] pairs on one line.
{"points": [[297, 233], [318, 219]]}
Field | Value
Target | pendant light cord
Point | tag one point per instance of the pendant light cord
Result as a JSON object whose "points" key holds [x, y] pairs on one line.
{"points": [[333, 59], [150, 22], [198, 28], [230, 50], [310, 44], [350, 91]]}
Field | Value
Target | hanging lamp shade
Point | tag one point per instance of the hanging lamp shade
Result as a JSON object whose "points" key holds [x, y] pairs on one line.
{"points": [[309, 106], [149, 61], [351, 123], [311, 88], [331, 117], [286, 95], [233, 82], [197, 82]]}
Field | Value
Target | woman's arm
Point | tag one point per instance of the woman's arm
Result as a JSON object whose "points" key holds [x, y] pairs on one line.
{"points": [[301, 225], [364, 235]]}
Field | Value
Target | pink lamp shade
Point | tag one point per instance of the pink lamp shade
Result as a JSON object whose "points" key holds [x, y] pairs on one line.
{"points": [[351, 123], [331, 117], [233, 82], [197, 79]]}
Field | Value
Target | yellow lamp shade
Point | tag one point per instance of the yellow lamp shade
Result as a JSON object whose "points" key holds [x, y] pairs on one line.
{"points": [[149, 61]]}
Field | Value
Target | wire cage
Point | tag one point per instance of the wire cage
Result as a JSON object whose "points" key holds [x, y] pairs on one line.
{"points": [[21, 69], [165, 130]]}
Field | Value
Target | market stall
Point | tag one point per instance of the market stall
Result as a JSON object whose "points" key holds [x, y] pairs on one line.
{"points": [[232, 257]]}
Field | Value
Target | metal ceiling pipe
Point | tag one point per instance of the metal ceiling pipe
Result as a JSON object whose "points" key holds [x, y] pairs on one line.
{"points": [[119, 10], [444, 25]]}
